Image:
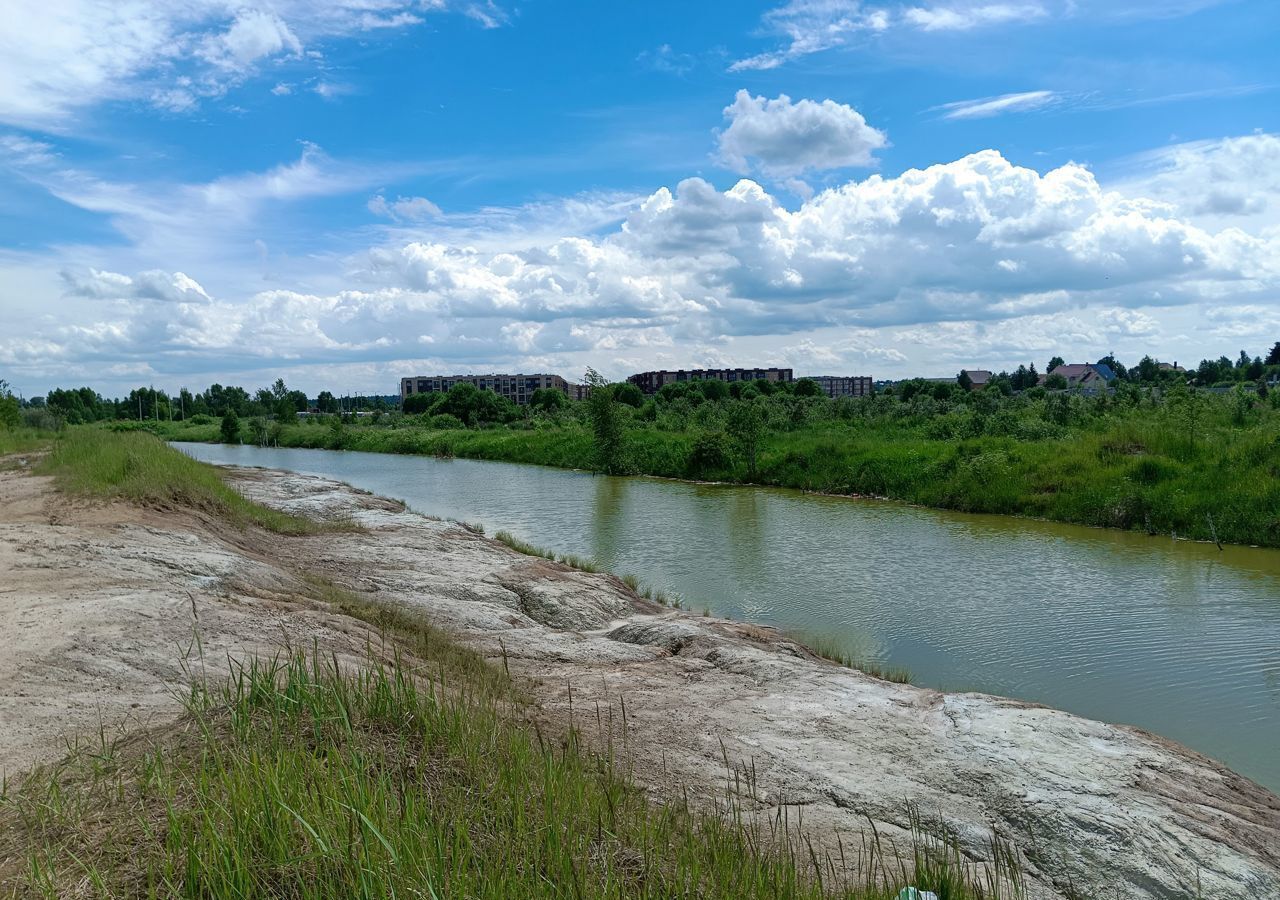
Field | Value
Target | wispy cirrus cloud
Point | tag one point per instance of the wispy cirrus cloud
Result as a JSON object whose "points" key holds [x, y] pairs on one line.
{"points": [[58, 59], [965, 18], [811, 26], [986, 107]]}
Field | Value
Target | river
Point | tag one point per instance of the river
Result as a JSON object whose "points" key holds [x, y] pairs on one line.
{"points": [[1178, 638]]}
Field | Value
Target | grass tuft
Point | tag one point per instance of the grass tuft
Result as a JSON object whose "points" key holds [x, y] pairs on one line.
{"points": [[140, 468], [571, 560], [298, 778], [831, 651]]}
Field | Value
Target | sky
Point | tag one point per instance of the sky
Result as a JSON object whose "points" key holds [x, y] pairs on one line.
{"points": [[344, 193]]}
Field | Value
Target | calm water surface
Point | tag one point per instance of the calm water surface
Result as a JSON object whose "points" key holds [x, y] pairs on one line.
{"points": [[1177, 638]]}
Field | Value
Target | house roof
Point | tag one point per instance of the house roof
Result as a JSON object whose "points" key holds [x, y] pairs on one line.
{"points": [[1079, 371], [978, 376]]}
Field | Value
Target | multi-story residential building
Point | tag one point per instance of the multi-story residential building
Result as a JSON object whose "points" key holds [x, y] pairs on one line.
{"points": [[516, 388], [844, 386], [651, 382]]}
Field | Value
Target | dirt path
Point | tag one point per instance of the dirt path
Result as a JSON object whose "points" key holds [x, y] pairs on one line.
{"points": [[96, 615]]}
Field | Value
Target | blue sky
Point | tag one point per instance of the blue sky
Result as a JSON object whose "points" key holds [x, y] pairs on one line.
{"points": [[343, 193]]}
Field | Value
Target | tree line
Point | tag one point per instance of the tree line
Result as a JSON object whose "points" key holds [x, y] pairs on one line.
{"points": [[83, 405], [1220, 372]]}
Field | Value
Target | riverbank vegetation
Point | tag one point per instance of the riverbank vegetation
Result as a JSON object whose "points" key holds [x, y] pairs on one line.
{"points": [[141, 469], [1166, 458], [1194, 454]]}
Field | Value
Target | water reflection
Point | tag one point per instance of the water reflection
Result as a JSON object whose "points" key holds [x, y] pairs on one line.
{"points": [[607, 523], [1178, 638]]}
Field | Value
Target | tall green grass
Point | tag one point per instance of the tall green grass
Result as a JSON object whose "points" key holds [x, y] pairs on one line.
{"points": [[572, 560], [297, 778], [140, 468], [23, 440], [827, 649]]}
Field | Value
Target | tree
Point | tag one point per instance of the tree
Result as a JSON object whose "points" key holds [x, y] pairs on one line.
{"points": [[9, 415], [606, 424], [713, 389], [628, 393], [709, 454], [964, 380], [807, 387], [230, 427], [1148, 370], [414, 403], [1207, 372], [1054, 363], [474, 406], [326, 402], [746, 428], [1056, 383], [548, 399], [1273, 358], [1187, 408], [1114, 365]]}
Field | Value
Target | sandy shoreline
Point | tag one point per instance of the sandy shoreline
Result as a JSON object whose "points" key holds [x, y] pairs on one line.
{"points": [[98, 605]]}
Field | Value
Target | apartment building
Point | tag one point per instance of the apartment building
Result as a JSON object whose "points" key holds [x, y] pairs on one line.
{"points": [[844, 386], [651, 382], [516, 388]]}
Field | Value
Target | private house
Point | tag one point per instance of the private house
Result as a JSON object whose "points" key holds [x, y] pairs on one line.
{"points": [[978, 378], [1085, 375]]}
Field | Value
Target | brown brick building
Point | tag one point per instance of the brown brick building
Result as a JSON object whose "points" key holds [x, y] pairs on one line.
{"points": [[844, 386], [651, 382], [516, 388]]}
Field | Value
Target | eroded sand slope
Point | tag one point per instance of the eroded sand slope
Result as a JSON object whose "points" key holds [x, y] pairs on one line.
{"points": [[96, 613]]}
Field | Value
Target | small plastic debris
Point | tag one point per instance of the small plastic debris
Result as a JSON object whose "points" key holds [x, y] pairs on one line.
{"points": [[910, 893]]}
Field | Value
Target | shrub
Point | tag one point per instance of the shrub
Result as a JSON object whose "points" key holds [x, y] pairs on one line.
{"points": [[9, 415], [710, 454], [42, 419], [230, 430]]}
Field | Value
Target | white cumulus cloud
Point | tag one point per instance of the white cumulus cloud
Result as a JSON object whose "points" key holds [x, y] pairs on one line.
{"points": [[1231, 178], [975, 258], [782, 138]]}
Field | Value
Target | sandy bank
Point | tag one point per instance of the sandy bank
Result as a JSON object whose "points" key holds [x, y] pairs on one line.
{"points": [[98, 604]]}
